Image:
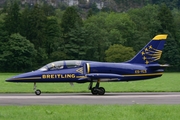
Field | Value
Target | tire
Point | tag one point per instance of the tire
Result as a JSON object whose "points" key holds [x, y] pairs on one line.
{"points": [[38, 92], [101, 91], [94, 91]]}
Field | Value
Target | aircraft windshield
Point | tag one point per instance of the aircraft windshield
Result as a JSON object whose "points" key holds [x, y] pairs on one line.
{"points": [[73, 63], [60, 65], [53, 66]]}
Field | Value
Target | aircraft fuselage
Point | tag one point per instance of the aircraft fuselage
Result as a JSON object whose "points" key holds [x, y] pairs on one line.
{"points": [[117, 71]]}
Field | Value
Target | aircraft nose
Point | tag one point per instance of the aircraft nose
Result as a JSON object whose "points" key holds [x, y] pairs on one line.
{"points": [[10, 79], [20, 77]]}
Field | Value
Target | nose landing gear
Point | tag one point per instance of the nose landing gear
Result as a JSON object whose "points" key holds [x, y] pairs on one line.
{"points": [[37, 91]]}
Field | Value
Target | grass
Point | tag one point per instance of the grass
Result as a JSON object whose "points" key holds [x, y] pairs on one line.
{"points": [[169, 82], [91, 112]]}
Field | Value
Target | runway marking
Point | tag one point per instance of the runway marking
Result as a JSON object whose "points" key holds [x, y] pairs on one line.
{"points": [[94, 97]]}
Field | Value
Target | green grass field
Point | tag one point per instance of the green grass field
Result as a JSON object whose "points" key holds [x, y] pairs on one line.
{"points": [[91, 112], [169, 82]]}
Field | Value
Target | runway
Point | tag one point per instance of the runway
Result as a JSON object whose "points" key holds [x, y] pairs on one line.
{"points": [[87, 98]]}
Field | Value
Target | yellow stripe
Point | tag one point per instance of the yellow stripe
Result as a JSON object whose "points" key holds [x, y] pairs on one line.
{"points": [[160, 37], [31, 78], [88, 68], [81, 77], [143, 74]]}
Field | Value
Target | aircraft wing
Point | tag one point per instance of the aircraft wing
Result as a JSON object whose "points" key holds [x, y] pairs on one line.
{"points": [[102, 76]]}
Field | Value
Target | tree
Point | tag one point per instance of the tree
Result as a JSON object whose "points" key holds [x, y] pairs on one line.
{"points": [[69, 20], [97, 40], [25, 22], [4, 36], [120, 28], [48, 9], [90, 13], [166, 19], [119, 53], [170, 3], [70, 23], [53, 33], [146, 26], [36, 24], [18, 54], [105, 29], [57, 55], [171, 54], [58, 15], [94, 8], [12, 19], [77, 43], [171, 50]]}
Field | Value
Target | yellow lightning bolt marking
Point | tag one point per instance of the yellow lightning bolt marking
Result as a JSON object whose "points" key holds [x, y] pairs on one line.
{"points": [[144, 58], [142, 53], [146, 49], [150, 47], [146, 62]]}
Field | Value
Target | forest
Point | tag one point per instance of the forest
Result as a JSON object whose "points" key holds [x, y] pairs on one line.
{"points": [[33, 36]]}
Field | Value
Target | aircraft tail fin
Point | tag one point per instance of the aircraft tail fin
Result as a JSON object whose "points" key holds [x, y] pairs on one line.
{"points": [[151, 53]]}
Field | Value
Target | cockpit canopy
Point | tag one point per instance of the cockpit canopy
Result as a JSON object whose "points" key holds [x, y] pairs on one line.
{"points": [[57, 65]]}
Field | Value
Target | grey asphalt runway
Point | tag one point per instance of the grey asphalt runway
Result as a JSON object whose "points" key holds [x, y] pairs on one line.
{"points": [[87, 98]]}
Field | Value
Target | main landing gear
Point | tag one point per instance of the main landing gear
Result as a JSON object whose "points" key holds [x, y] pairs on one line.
{"points": [[96, 90], [37, 91]]}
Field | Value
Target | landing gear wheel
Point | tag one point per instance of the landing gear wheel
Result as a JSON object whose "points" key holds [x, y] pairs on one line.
{"points": [[98, 91], [94, 91], [101, 91], [38, 92]]}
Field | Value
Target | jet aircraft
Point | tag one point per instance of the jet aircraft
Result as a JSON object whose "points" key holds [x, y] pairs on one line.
{"points": [[144, 65]]}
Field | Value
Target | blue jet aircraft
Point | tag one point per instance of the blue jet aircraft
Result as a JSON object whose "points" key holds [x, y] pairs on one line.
{"points": [[142, 66]]}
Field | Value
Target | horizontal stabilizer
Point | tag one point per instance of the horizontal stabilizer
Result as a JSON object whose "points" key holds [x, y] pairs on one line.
{"points": [[158, 66]]}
